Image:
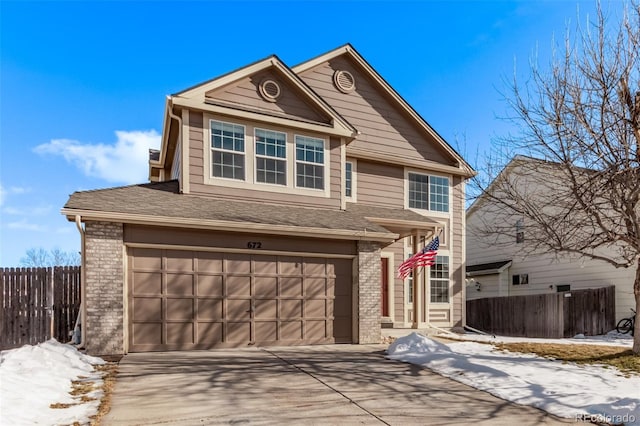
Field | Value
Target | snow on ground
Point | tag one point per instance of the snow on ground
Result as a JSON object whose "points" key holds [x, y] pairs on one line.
{"points": [[564, 389], [34, 377], [612, 338]]}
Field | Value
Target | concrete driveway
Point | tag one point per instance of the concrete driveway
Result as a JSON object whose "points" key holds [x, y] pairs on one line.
{"points": [[323, 385]]}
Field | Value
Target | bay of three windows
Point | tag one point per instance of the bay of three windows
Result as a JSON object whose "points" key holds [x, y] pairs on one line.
{"points": [[229, 162]]}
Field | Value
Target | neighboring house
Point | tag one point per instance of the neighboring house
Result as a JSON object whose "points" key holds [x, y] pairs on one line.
{"points": [[281, 202], [499, 265]]}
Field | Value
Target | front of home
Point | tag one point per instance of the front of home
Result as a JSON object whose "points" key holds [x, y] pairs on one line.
{"points": [[503, 264], [280, 205]]}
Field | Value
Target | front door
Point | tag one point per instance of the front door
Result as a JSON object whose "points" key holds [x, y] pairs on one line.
{"points": [[384, 282]]}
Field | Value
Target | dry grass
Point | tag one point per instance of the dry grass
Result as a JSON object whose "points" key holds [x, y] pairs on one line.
{"points": [[610, 356], [110, 370]]}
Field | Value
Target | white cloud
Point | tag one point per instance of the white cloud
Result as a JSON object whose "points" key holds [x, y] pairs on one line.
{"points": [[25, 226], [28, 211], [4, 192], [125, 161]]}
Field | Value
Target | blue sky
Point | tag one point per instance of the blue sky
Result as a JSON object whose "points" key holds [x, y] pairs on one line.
{"points": [[83, 84]]}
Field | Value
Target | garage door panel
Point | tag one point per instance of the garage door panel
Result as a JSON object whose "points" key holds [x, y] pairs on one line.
{"points": [[147, 258], [291, 330], [147, 334], [209, 262], [265, 265], [179, 284], [238, 332], [267, 330], [210, 332], [290, 309], [238, 285], [180, 332], [238, 308], [290, 286], [314, 287], [289, 265], [179, 261], [266, 309], [315, 309], [147, 309], [210, 285], [180, 309], [210, 309], [146, 283], [316, 330], [266, 286], [237, 264], [200, 300]]}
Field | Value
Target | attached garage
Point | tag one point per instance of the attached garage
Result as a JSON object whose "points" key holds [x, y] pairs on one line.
{"points": [[201, 299]]}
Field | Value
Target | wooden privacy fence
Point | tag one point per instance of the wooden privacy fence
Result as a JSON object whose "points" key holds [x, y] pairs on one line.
{"points": [[37, 304], [555, 315]]}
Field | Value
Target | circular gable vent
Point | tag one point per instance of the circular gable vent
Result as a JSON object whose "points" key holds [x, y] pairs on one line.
{"points": [[344, 81], [269, 90]]}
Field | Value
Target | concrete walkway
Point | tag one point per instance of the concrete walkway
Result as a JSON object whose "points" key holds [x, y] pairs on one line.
{"points": [[311, 385]]}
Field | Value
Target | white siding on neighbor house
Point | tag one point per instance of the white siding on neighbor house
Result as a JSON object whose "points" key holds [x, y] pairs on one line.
{"points": [[488, 287], [545, 270]]}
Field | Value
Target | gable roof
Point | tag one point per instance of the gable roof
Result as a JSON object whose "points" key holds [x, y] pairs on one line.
{"points": [[350, 51], [488, 268], [195, 97]]}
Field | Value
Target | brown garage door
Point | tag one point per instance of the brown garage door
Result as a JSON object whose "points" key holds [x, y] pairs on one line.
{"points": [[182, 300]]}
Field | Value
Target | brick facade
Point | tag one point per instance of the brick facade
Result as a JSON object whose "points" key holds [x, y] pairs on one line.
{"points": [[104, 284], [369, 272]]}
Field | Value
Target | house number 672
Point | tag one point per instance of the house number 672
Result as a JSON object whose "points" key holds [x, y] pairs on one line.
{"points": [[254, 244]]}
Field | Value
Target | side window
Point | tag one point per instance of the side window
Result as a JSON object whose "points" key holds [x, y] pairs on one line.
{"points": [[348, 179], [439, 280], [520, 231], [428, 192], [520, 279], [309, 162], [227, 150]]}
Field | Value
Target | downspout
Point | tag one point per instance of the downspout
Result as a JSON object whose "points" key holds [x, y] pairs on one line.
{"points": [[83, 311], [179, 120]]}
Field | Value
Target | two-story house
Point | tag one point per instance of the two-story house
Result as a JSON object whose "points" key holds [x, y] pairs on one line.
{"points": [[500, 261], [281, 202]]}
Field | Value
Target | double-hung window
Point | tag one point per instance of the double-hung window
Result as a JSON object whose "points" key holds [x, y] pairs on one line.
{"points": [[428, 192], [309, 162], [348, 178], [227, 150], [271, 157], [439, 280]]}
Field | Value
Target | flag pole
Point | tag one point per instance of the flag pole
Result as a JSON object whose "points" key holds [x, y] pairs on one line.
{"points": [[415, 280]]}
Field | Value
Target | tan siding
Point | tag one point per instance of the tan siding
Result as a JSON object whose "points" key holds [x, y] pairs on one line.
{"points": [[380, 184], [335, 179], [457, 265], [245, 92], [383, 128], [196, 142]]}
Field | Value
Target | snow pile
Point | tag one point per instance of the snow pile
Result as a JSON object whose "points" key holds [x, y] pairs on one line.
{"points": [[612, 338], [564, 389], [34, 377]]}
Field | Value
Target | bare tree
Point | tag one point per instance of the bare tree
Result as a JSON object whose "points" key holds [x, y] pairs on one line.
{"points": [[578, 189], [39, 257]]}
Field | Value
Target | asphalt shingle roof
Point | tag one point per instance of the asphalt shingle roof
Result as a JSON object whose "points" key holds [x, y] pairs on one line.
{"points": [[163, 199]]}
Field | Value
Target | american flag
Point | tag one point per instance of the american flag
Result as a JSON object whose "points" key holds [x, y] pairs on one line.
{"points": [[424, 257]]}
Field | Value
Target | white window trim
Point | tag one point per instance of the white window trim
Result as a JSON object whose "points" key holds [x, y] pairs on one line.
{"points": [[390, 282], [209, 149], [285, 159], [325, 163], [249, 152], [354, 180], [426, 212], [450, 287]]}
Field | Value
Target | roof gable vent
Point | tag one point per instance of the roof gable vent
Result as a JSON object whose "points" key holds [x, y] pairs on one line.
{"points": [[269, 90], [344, 81]]}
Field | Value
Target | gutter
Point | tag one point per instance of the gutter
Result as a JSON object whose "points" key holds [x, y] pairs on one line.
{"points": [[83, 269]]}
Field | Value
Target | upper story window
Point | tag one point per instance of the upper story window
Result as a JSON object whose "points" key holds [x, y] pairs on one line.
{"points": [[520, 279], [227, 150], [309, 162], [348, 178], [428, 192], [271, 157]]}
